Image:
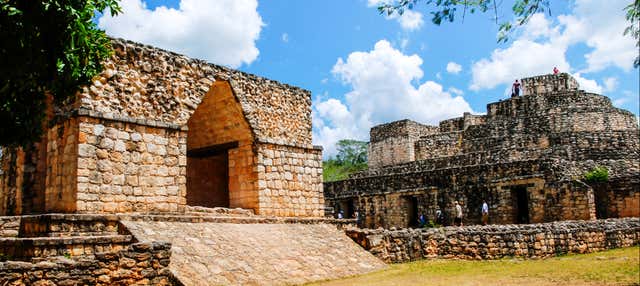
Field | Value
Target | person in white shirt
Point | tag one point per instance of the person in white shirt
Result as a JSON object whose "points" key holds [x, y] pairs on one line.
{"points": [[485, 212], [458, 219]]}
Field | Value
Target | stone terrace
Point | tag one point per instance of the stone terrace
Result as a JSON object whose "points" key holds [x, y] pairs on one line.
{"points": [[257, 254], [205, 247], [526, 157]]}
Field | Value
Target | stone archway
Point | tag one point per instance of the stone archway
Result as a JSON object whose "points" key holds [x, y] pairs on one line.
{"points": [[220, 155]]}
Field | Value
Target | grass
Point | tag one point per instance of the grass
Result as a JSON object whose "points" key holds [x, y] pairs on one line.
{"points": [[612, 267]]}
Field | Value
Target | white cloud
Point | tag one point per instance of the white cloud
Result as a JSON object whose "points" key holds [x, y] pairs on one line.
{"points": [[381, 91], [223, 32], [610, 84], [542, 44], [285, 37], [627, 96], [455, 91], [523, 58], [376, 3], [588, 85], [404, 42], [410, 20], [453, 68], [602, 24]]}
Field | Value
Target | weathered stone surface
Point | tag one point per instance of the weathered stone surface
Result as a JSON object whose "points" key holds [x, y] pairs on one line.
{"points": [[526, 157], [108, 268], [256, 254], [499, 241], [133, 142]]}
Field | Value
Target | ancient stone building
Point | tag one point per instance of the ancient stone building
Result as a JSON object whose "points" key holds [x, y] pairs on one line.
{"points": [[158, 131], [526, 157]]}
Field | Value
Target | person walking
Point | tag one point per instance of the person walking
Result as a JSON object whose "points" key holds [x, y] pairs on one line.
{"points": [[422, 221], [485, 212], [458, 219], [515, 89], [439, 217]]}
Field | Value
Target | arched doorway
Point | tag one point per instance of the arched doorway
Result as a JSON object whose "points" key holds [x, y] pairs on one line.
{"points": [[220, 157]]}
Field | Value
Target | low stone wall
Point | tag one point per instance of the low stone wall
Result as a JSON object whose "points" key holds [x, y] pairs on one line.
{"points": [[139, 264], [498, 241], [9, 226]]}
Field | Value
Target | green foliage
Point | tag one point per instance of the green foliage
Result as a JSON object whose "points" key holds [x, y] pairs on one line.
{"points": [[446, 10], [352, 152], [48, 47], [598, 174], [522, 10], [633, 17], [351, 158]]}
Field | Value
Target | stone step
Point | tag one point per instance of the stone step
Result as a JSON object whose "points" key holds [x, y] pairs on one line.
{"points": [[210, 253], [29, 248], [68, 225]]}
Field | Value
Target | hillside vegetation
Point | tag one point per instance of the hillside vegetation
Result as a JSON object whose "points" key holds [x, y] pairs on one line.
{"points": [[351, 158]]}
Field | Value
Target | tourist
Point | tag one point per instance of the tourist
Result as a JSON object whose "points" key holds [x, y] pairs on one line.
{"points": [[340, 215], [515, 89], [439, 217], [555, 70], [422, 221], [485, 212], [458, 219]]}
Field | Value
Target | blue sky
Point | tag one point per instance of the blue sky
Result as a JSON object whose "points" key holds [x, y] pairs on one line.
{"points": [[365, 69]]}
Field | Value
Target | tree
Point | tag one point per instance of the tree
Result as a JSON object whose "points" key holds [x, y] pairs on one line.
{"points": [[352, 152], [351, 158], [633, 30], [522, 9], [48, 47]]}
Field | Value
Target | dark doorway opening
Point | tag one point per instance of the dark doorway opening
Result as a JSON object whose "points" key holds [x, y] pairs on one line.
{"points": [[412, 211], [208, 176], [520, 205], [601, 202], [346, 207]]}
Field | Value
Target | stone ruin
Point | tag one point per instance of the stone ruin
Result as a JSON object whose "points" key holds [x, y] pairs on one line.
{"points": [[157, 131], [168, 170], [140, 162], [526, 157]]}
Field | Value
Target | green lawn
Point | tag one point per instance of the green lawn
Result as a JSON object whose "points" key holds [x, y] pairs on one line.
{"points": [[613, 267]]}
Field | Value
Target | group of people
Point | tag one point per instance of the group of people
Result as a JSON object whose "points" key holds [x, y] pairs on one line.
{"points": [[457, 220], [515, 87], [439, 215]]}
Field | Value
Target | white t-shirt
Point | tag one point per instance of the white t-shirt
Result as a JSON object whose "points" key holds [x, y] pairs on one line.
{"points": [[458, 211]]}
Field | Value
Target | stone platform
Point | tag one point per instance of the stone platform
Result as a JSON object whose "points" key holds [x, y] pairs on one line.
{"points": [[198, 247], [237, 253]]}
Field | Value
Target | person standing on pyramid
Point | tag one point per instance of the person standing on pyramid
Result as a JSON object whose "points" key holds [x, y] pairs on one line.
{"points": [[515, 89]]}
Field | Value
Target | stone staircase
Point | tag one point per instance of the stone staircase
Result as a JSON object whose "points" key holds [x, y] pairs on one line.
{"points": [[42, 236], [206, 247]]}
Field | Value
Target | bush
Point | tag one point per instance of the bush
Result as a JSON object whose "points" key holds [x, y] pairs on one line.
{"points": [[598, 174]]}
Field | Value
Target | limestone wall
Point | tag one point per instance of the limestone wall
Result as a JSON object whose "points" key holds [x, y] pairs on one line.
{"points": [[125, 167], [140, 264], [393, 143], [384, 200], [438, 145], [495, 242], [290, 180], [62, 162], [127, 143], [548, 83], [141, 81]]}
